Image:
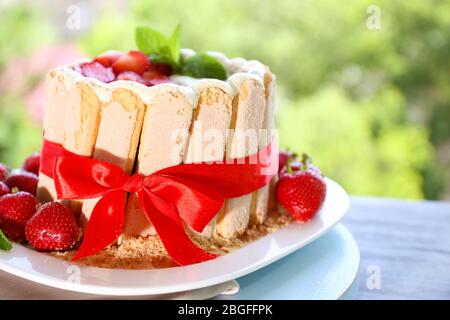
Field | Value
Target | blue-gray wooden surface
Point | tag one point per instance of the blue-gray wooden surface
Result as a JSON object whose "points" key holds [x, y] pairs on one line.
{"points": [[407, 241]]}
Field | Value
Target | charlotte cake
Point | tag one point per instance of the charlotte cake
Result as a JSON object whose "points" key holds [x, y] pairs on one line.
{"points": [[158, 120], [145, 126]]}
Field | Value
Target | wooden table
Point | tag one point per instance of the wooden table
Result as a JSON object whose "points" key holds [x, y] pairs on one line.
{"points": [[406, 243]]}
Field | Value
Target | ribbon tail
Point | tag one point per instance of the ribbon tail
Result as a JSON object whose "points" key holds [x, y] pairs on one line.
{"points": [[105, 224], [167, 222]]}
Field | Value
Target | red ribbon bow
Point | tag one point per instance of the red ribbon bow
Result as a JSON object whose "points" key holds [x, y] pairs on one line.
{"points": [[186, 193]]}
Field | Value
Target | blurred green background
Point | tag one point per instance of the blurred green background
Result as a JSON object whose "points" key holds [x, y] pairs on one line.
{"points": [[366, 94]]}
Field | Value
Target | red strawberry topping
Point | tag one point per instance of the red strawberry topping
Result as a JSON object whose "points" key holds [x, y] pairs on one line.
{"points": [[23, 180], [15, 210], [131, 76], [4, 189], [3, 171], [135, 61], [31, 163], [108, 58], [97, 71], [152, 79], [53, 227], [301, 192], [156, 81], [160, 69]]}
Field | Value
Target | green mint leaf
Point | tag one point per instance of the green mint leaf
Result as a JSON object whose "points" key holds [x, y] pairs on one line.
{"points": [[157, 58], [152, 42], [175, 44], [202, 65], [5, 244], [158, 47]]}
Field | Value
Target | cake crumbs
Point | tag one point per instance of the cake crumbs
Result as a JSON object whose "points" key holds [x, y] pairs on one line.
{"points": [[149, 253]]}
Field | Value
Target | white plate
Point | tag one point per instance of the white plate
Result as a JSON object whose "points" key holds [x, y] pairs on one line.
{"points": [[34, 266]]}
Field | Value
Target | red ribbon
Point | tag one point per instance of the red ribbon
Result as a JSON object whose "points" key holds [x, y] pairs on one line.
{"points": [[49, 152], [186, 193]]}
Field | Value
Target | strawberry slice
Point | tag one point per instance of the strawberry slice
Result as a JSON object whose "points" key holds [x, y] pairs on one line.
{"points": [[160, 69], [97, 71], [131, 76], [153, 78], [156, 81], [108, 58], [135, 61]]}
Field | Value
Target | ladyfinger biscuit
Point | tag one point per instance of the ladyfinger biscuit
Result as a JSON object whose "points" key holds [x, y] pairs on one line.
{"points": [[248, 114], [81, 123], [56, 99], [118, 136], [261, 198], [207, 139], [163, 144]]}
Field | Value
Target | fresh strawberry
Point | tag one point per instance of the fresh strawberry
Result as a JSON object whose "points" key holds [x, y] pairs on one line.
{"points": [[15, 210], [31, 163], [4, 189], [301, 192], [23, 180], [135, 61], [131, 76], [108, 58], [4, 171], [97, 71], [53, 227]]}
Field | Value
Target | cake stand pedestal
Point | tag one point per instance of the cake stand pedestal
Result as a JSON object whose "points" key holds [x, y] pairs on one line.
{"points": [[324, 270]]}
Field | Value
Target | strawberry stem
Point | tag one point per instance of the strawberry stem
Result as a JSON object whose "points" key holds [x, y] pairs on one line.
{"points": [[305, 161], [288, 165]]}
